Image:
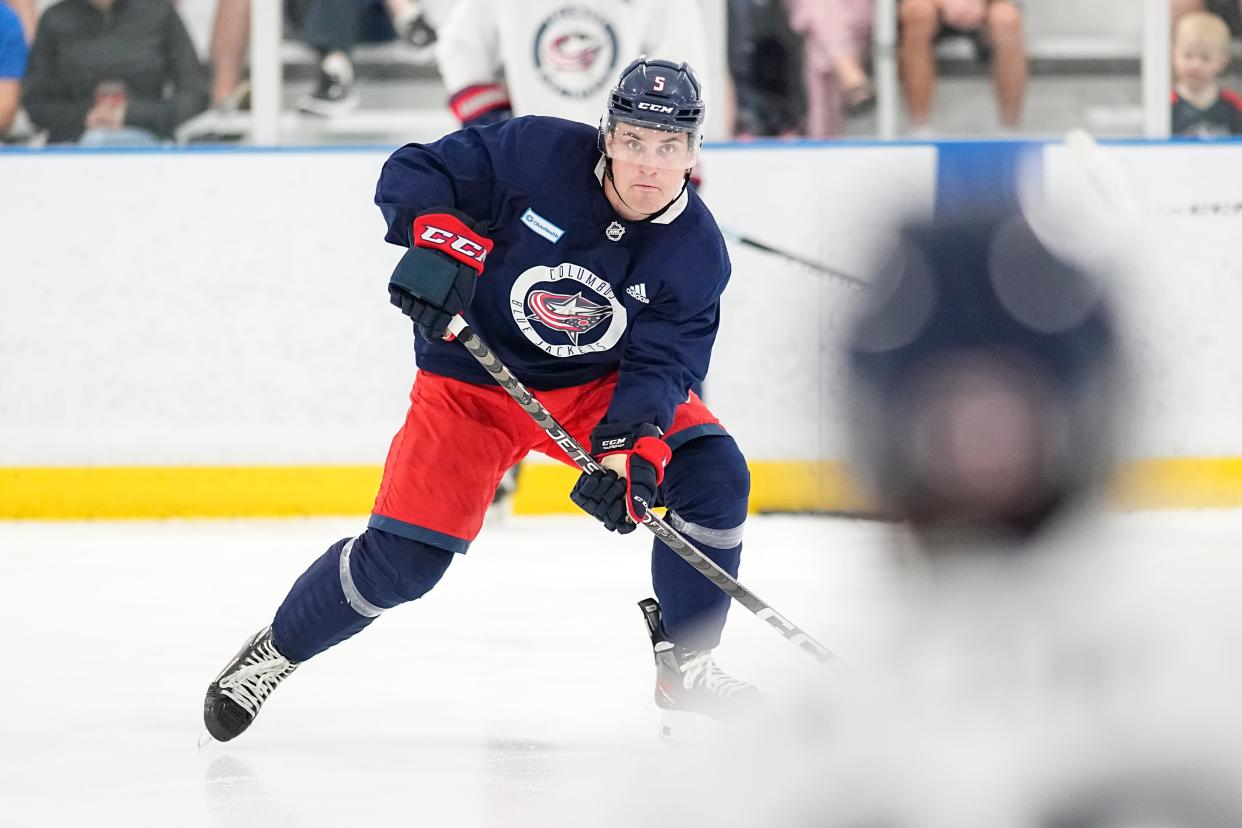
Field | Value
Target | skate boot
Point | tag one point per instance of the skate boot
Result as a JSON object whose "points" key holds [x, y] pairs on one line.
{"points": [[234, 698], [689, 685]]}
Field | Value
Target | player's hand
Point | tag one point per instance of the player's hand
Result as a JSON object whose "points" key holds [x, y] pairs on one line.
{"points": [[633, 458], [434, 281], [105, 116]]}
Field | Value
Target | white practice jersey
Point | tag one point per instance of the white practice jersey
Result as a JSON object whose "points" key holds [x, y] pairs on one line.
{"points": [[561, 57]]}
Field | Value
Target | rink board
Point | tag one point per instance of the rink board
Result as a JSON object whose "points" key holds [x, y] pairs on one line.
{"points": [[171, 347]]}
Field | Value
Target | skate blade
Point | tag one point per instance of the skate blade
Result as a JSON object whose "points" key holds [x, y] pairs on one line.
{"points": [[205, 739], [681, 727]]}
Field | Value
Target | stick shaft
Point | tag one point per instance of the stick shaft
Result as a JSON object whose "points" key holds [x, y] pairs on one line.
{"points": [[669, 536], [853, 281]]}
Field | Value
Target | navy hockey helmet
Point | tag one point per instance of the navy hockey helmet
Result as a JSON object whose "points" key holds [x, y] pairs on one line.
{"points": [[664, 101], [985, 379]]}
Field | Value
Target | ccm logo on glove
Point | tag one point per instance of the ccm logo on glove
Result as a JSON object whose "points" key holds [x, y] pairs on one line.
{"points": [[448, 234], [632, 460]]}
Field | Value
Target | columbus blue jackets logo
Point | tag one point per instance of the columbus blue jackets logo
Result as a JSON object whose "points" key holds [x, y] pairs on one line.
{"points": [[567, 310], [576, 52], [572, 314]]}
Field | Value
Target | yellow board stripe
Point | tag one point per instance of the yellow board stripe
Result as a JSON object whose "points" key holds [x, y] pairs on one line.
{"points": [[120, 492], [1180, 483], [775, 486], [54, 493]]}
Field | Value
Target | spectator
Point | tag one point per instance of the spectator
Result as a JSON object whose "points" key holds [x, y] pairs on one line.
{"points": [[12, 65], [1228, 10], [1200, 53], [335, 27], [578, 50], [112, 72], [413, 20], [764, 61], [837, 36], [26, 13], [230, 37], [995, 26]]}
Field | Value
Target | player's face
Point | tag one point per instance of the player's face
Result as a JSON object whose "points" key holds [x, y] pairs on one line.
{"points": [[1198, 60], [649, 165]]}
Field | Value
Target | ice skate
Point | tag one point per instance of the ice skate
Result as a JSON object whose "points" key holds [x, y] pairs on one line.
{"points": [[234, 698], [691, 688]]}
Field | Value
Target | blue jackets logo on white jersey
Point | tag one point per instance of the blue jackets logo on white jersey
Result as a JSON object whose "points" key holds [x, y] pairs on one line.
{"points": [[567, 310], [576, 52]]}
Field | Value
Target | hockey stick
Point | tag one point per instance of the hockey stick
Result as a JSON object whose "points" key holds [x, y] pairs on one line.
{"points": [[852, 281], [671, 538], [1112, 185], [1103, 172]]}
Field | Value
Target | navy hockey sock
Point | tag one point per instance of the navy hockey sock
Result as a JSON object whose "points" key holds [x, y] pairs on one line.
{"points": [[349, 586], [707, 490]]}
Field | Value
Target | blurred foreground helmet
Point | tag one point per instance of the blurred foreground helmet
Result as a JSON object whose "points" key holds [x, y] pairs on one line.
{"points": [[655, 116], [985, 379]]}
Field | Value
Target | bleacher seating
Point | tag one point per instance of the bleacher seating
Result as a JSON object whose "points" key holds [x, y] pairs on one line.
{"points": [[403, 98]]}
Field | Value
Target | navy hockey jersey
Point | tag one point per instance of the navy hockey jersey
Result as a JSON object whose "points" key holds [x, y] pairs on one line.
{"points": [[570, 291]]}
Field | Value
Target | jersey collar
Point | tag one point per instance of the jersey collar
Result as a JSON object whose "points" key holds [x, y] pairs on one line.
{"points": [[671, 211]]}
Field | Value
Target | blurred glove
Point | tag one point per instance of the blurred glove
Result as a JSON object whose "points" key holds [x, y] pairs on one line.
{"points": [[419, 33], [633, 459], [435, 278], [481, 105]]}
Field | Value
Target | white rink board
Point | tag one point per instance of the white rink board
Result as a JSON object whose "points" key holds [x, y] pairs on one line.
{"points": [[213, 308], [1182, 304], [229, 307]]}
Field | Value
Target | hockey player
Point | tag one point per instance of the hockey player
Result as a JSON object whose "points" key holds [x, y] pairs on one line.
{"points": [[556, 58], [591, 269], [994, 414], [545, 57]]}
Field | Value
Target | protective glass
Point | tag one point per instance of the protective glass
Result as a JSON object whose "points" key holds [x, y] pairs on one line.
{"points": [[651, 146]]}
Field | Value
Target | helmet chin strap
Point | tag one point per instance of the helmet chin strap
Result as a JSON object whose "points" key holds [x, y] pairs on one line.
{"points": [[608, 173]]}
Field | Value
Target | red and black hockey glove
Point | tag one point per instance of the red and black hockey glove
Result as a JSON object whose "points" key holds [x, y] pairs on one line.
{"points": [[633, 459], [435, 278]]}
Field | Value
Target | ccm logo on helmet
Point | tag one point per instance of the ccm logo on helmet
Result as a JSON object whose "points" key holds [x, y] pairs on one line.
{"points": [[654, 107], [438, 237]]}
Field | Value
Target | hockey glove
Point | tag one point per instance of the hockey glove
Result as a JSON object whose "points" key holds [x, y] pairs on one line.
{"points": [[633, 459], [435, 278]]}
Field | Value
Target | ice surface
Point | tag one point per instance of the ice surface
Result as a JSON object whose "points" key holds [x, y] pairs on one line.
{"points": [[489, 702]]}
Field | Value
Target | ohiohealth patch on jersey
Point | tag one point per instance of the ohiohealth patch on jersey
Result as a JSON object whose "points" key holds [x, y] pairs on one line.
{"points": [[567, 310], [541, 226], [576, 52]]}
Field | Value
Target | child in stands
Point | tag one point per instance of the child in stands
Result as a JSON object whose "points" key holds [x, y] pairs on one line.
{"points": [[1200, 53]]}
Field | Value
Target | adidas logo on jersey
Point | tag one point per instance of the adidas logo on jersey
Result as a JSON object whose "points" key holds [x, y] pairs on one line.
{"points": [[638, 291]]}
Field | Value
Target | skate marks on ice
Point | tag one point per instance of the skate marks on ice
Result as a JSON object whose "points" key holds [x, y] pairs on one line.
{"points": [[526, 665], [517, 693]]}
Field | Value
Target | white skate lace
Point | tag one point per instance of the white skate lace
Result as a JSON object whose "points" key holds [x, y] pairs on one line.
{"points": [[699, 666], [250, 685]]}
